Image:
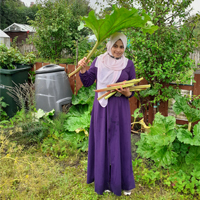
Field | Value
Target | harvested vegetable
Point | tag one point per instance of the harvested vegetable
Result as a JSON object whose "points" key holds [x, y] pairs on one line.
{"points": [[112, 87], [120, 18]]}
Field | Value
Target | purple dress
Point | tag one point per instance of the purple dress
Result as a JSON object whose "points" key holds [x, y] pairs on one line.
{"points": [[109, 152]]}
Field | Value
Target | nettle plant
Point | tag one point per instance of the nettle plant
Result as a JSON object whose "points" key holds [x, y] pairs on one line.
{"points": [[176, 148]]}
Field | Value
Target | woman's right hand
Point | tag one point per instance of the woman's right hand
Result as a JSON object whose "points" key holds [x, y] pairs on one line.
{"points": [[83, 64]]}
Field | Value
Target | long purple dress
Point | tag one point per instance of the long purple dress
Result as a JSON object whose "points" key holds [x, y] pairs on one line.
{"points": [[109, 153]]}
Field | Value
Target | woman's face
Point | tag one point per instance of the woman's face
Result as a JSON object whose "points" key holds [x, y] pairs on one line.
{"points": [[117, 49]]}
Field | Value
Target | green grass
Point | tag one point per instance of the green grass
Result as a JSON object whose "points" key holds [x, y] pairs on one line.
{"points": [[30, 174]]}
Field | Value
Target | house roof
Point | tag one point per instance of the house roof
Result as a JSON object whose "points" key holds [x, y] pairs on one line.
{"points": [[19, 28], [3, 35]]}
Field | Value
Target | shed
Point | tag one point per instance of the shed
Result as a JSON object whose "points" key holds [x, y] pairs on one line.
{"points": [[4, 39], [22, 31]]}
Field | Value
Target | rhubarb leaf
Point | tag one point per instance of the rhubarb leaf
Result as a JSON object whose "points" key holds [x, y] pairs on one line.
{"points": [[193, 157], [77, 110], [120, 18], [144, 149], [164, 156], [181, 105], [85, 95], [186, 136], [163, 130], [81, 121]]}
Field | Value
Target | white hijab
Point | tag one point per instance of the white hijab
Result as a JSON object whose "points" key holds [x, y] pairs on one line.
{"points": [[109, 69]]}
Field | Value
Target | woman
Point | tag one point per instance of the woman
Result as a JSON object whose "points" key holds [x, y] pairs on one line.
{"points": [[109, 153]]}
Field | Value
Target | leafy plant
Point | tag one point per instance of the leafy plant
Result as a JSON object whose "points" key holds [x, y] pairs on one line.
{"points": [[78, 118], [175, 148], [3, 114], [58, 31], [11, 57], [121, 18], [164, 56], [191, 109]]}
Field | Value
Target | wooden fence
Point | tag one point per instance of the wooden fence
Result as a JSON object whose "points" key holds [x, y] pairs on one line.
{"points": [[76, 84]]}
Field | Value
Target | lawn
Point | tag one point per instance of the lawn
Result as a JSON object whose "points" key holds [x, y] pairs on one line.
{"points": [[29, 173]]}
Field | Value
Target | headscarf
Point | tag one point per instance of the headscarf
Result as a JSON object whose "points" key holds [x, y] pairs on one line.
{"points": [[109, 68]]}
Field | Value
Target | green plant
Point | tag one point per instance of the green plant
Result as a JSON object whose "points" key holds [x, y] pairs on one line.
{"points": [[29, 58], [78, 118], [174, 147], [10, 57], [58, 29], [3, 114]]}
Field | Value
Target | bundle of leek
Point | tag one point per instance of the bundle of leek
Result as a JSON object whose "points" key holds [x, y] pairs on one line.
{"points": [[111, 89]]}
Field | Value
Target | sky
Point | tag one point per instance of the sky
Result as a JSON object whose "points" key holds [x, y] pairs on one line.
{"points": [[195, 5]]}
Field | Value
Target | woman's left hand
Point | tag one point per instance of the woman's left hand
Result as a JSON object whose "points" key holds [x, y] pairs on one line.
{"points": [[125, 91]]}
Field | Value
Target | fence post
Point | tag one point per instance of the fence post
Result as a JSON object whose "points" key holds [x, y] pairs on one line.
{"points": [[63, 65], [78, 81], [69, 69], [196, 89], [133, 102], [163, 108], [38, 65], [151, 114]]}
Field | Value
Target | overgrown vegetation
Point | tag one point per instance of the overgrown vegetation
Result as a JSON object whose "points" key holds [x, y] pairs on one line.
{"points": [[174, 149], [11, 57], [44, 156], [58, 29]]}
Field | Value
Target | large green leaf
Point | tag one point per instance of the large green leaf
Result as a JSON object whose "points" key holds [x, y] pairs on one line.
{"points": [[164, 156], [77, 110], [78, 122], [144, 149], [182, 105], [193, 157], [163, 130], [120, 18], [187, 137], [85, 95], [78, 140]]}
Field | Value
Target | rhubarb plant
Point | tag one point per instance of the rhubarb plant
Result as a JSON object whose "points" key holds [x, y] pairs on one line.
{"points": [[120, 18], [191, 109], [175, 147], [78, 118]]}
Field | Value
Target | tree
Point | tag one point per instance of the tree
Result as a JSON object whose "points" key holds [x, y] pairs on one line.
{"points": [[14, 11], [56, 25]]}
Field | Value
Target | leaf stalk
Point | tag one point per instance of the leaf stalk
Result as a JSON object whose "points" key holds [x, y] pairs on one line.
{"points": [[88, 57]]}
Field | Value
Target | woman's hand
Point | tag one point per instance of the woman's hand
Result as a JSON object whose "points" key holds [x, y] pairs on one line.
{"points": [[83, 64], [125, 91]]}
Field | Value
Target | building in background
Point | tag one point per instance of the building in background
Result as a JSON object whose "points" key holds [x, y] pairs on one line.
{"points": [[22, 32], [4, 39]]}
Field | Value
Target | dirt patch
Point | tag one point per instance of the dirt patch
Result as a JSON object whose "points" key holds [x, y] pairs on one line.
{"points": [[134, 138]]}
